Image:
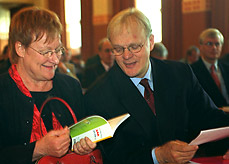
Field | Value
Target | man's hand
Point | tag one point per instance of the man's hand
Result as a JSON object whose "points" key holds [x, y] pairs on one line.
{"points": [[55, 143], [175, 152], [226, 156], [85, 146]]}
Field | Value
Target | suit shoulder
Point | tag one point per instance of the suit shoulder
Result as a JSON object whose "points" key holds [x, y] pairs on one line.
{"points": [[102, 82], [5, 80], [224, 64], [174, 65], [62, 80]]}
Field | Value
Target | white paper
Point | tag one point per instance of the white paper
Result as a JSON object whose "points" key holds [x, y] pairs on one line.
{"points": [[211, 135]]}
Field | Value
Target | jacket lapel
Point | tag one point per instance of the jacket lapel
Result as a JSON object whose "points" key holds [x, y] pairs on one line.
{"points": [[132, 100], [164, 96], [138, 108], [224, 70]]}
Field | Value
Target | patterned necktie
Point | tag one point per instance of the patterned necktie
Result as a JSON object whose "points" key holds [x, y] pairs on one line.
{"points": [[148, 94], [215, 77]]}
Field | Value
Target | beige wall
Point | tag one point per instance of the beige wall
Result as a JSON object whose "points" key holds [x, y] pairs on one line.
{"points": [[196, 16], [5, 6], [102, 13]]}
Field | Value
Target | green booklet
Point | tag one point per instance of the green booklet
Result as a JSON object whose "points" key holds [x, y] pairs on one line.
{"points": [[96, 128]]}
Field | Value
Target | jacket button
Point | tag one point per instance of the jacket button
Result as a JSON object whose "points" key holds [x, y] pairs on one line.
{"points": [[25, 143], [27, 122]]}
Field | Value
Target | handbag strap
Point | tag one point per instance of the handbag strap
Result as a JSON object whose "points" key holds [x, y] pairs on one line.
{"points": [[61, 100]]}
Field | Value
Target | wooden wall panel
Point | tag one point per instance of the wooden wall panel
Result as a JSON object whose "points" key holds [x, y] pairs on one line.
{"points": [[101, 32], [172, 27], [58, 7], [87, 29], [119, 5], [220, 20], [193, 24], [92, 32]]}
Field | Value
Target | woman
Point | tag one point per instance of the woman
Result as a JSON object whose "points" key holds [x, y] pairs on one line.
{"points": [[36, 49]]}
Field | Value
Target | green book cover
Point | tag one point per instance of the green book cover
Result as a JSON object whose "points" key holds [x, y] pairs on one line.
{"points": [[87, 124], [96, 128]]}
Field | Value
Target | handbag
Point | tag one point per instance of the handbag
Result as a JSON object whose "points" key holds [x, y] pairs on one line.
{"points": [[95, 157]]}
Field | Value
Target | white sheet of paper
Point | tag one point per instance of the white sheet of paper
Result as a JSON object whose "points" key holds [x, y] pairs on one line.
{"points": [[211, 135]]}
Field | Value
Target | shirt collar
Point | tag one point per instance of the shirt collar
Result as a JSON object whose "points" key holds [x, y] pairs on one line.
{"points": [[106, 67], [147, 76], [208, 65]]}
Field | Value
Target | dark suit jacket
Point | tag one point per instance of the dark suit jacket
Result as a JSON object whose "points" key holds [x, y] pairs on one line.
{"points": [[181, 105], [208, 83], [92, 73]]}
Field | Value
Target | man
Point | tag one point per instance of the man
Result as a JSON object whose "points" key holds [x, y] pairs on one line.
{"points": [[180, 104], [65, 66], [159, 51], [213, 74], [192, 55], [103, 66]]}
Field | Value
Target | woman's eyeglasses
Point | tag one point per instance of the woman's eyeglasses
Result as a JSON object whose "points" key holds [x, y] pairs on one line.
{"points": [[59, 51]]}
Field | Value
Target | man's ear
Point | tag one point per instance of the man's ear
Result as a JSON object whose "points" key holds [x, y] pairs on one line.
{"points": [[151, 40], [20, 49]]}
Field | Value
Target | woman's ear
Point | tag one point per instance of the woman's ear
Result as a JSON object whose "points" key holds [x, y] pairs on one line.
{"points": [[20, 49], [151, 40]]}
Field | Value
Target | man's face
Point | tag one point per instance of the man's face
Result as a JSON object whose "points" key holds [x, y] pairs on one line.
{"points": [[133, 64], [211, 49], [106, 54]]}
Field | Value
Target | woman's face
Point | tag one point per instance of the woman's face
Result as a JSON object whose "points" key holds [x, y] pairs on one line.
{"points": [[37, 67]]}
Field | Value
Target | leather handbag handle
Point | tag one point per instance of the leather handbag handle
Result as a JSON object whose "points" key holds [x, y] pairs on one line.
{"points": [[61, 100]]}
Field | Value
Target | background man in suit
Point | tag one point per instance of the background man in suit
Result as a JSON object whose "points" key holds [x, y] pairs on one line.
{"points": [[65, 66], [192, 55], [159, 51], [212, 74], [102, 66], [180, 104]]}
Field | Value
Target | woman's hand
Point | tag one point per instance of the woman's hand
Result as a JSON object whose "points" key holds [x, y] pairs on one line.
{"points": [[226, 156], [55, 143], [84, 146]]}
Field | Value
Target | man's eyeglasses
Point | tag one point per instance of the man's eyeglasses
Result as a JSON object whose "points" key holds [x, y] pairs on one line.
{"points": [[210, 44], [59, 51], [133, 48]]}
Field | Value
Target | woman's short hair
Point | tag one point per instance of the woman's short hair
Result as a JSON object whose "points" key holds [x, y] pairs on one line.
{"points": [[31, 24], [211, 33], [126, 18]]}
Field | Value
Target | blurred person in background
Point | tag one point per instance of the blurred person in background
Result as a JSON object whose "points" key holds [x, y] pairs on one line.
{"points": [[192, 55], [79, 65], [65, 66], [106, 62], [159, 51], [213, 74], [5, 61]]}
